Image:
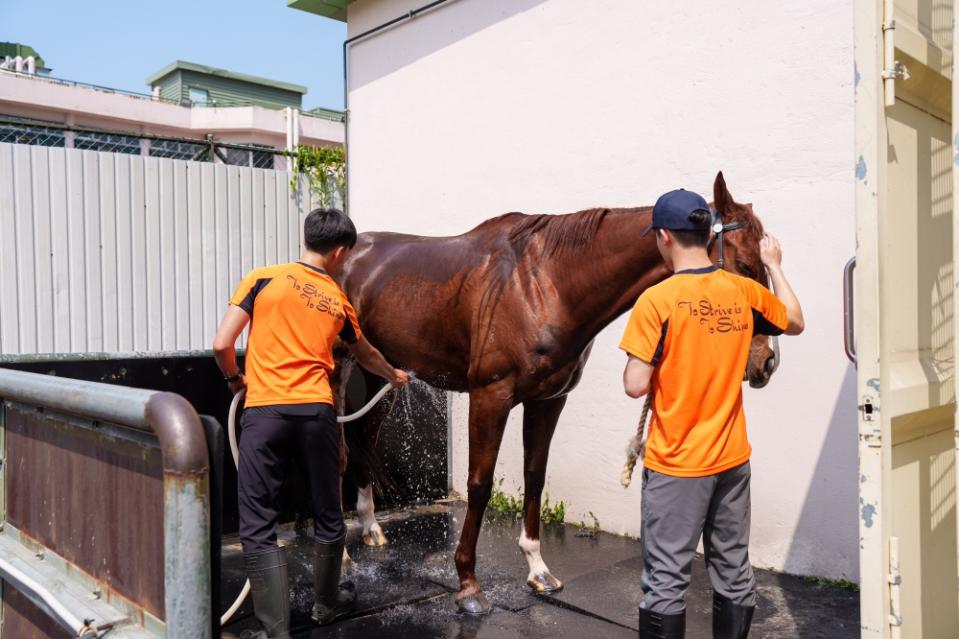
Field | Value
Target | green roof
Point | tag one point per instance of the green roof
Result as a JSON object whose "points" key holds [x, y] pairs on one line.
{"points": [[335, 9], [327, 114], [14, 49], [180, 65]]}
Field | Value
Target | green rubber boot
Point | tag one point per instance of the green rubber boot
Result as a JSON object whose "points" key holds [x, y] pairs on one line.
{"points": [[332, 601], [270, 587]]}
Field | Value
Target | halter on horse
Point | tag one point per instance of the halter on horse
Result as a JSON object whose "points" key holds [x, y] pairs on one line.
{"points": [[719, 229]]}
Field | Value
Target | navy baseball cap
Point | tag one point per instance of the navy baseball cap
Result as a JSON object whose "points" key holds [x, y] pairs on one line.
{"points": [[672, 210]]}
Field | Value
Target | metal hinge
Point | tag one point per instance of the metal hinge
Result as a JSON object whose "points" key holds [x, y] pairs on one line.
{"points": [[897, 72], [873, 440]]}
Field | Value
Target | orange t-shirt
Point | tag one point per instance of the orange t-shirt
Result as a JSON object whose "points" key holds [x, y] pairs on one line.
{"points": [[696, 328], [296, 312]]}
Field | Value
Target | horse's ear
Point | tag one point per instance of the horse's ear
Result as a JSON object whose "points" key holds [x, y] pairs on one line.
{"points": [[722, 199]]}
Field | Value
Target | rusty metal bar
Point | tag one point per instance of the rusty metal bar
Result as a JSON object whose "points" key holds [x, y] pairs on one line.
{"points": [[82, 594], [186, 508], [42, 597]]}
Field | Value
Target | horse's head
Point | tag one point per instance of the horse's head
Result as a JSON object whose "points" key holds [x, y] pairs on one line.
{"points": [[740, 247]]}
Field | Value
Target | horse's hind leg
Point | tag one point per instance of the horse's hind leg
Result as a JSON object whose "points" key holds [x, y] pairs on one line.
{"points": [[373, 535], [539, 422], [362, 463], [345, 365]]}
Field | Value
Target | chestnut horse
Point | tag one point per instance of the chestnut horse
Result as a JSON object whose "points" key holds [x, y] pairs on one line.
{"points": [[507, 313]]}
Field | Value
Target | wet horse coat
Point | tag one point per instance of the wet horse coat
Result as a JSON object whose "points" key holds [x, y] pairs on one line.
{"points": [[508, 312]]}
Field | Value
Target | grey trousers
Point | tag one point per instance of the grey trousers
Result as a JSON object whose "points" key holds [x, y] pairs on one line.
{"points": [[676, 512]]}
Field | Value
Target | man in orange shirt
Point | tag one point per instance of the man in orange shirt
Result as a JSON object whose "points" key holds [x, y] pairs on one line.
{"points": [[297, 312], [688, 340]]}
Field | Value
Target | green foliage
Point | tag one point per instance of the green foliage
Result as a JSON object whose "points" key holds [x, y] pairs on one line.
{"points": [[842, 584], [552, 514], [503, 503], [325, 170]]}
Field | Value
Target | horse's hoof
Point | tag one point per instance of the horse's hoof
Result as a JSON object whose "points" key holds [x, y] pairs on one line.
{"points": [[544, 583], [375, 537], [474, 605]]}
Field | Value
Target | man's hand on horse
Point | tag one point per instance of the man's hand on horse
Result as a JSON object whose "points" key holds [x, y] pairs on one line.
{"points": [[771, 254], [400, 378], [770, 251]]}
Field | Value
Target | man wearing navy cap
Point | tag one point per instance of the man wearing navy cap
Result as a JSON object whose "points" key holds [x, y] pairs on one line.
{"points": [[680, 210], [687, 341]]}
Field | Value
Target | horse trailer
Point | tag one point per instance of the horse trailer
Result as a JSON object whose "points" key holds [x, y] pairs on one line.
{"points": [[901, 288]]}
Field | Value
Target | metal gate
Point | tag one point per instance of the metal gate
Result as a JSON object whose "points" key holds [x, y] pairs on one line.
{"points": [[104, 511], [904, 308]]}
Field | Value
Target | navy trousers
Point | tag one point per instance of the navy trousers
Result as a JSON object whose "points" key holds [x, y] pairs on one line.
{"points": [[272, 438]]}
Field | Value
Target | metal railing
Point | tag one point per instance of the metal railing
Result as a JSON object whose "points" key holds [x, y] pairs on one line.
{"points": [[107, 517], [18, 130], [321, 113], [87, 85], [39, 134], [325, 114]]}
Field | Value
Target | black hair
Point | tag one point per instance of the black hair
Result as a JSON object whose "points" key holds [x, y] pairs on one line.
{"points": [[698, 237], [326, 229]]}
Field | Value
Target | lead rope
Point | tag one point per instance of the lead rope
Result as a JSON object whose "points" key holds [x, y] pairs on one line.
{"points": [[637, 445]]}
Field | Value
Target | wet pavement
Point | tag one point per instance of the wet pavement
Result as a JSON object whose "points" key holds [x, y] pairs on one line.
{"points": [[404, 590]]}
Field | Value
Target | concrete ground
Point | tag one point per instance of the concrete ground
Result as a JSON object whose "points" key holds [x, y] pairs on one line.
{"points": [[404, 590]]}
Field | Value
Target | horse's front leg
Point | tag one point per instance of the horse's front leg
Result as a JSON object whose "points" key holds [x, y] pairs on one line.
{"points": [[489, 408], [539, 422]]}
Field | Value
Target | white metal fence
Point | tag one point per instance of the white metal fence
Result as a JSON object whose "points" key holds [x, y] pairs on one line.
{"points": [[108, 252]]}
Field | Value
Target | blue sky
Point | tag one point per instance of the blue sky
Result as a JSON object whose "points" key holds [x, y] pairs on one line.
{"points": [[118, 43]]}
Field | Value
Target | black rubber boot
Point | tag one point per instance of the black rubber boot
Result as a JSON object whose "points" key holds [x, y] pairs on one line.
{"points": [[653, 625], [729, 620], [270, 588], [332, 601]]}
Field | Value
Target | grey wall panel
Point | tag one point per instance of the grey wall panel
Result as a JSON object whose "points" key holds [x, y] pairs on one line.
{"points": [[60, 236], [103, 252], [8, 251], [43, 200]]}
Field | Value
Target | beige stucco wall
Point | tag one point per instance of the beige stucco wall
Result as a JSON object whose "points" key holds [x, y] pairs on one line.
{"points": [[487, 106]]}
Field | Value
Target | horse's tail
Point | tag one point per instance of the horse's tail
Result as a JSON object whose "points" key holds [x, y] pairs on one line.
{"points": [[358, 457], [363, 463], [637, 445]]}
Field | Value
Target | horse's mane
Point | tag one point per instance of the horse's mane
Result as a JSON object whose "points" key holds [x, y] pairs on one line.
{"points": [[513, 234], [556, 233]]}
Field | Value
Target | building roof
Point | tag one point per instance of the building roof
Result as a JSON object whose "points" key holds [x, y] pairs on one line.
{"points": [[180, 65], [14, 49], [335, 9], [327, 114]]}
